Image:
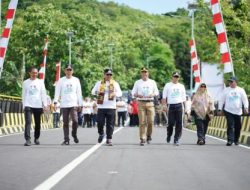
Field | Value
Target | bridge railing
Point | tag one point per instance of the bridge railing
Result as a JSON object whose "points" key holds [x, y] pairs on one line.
{"points": [[12, 117]]}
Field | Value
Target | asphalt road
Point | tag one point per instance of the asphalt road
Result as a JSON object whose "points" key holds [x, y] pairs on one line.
{"points": [[124, 166]]}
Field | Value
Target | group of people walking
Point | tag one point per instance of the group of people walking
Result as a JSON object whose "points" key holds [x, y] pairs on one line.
{"points": [[68, 94]]}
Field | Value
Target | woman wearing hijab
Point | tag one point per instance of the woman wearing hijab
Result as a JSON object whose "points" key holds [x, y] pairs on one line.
{"points": [[203, 107]]}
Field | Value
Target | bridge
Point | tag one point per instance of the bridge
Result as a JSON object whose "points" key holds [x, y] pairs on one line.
{"points": [[126, 165]]}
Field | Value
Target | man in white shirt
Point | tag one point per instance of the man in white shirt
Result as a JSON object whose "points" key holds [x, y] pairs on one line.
{"points": [[174, 97], [233, 98], [145, 90], [56, 115], [86, 111], [122, 111], [106, 90], [34, 101], [69, 90]]}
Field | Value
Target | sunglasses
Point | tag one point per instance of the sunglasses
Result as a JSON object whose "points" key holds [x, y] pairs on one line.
{"points": [[203, 87], [68, 69], [109, 74]]}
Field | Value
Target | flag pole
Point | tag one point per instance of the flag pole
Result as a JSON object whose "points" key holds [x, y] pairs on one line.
{"points": [[227, 39]]}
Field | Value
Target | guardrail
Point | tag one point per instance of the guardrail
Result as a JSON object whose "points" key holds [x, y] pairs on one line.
{"points": [[218, 127], [12, 117]]}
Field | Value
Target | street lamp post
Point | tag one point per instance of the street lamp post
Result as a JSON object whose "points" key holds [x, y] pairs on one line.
{"points": [[70, 34], [192, 7], [111, 54]]}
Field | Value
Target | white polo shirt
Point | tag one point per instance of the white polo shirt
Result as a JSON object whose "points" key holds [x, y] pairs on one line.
{"points": [[107, 104], [175, 93], [145, 88], [234, 99]]}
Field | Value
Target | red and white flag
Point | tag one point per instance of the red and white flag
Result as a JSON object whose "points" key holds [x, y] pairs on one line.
{"points": [[6, 31], [226, 59], [58, 72], [195, 61], [43, 65]]}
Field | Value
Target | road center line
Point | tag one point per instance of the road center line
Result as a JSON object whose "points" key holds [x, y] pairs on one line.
{"points": [[59, 175]]}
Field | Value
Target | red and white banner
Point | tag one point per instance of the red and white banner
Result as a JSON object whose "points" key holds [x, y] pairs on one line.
{"points": [[43, 65], [195, 61], [226, 59], [58, 72], [6, 32]]}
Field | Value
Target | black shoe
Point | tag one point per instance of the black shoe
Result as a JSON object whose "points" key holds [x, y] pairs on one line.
{"points": [[229, 143], [100, 138], [149, 139], [27, 143], [201, 142], [168, 139], [109, 142], [76, 140], [176, 143], [65, 143], [142, 143], [36, 141], [236, 143]]}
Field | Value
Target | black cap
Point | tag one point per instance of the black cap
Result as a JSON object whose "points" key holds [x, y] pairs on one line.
{"points": [[108, 71], [68, 66], [203, 84], [176, 74], [144, 69], [232, 78]]}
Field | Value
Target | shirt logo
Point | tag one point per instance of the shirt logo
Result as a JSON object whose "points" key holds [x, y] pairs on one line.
{"points": [[175, 93], [68, 89], [33, 90]]}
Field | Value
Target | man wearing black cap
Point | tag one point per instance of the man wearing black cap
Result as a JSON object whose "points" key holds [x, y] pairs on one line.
{"points": [[68, 89], [174, 97], [233, 97], [145, 90], [106, 90]]}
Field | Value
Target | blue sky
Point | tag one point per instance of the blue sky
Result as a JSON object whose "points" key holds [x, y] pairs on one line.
{"points": [[154, 6]]}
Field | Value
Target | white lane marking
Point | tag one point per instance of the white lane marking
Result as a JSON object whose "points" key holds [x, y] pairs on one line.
{"points": [[216, 138], [21, 133], [113, 172], [59, 175]]}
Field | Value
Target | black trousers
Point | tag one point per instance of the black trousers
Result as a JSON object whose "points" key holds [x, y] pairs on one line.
{"points": [[175, 118], [201, 125], [233, 127], [37, 112], [121, 116], [56, 119], [86, 120], [107, 115]]}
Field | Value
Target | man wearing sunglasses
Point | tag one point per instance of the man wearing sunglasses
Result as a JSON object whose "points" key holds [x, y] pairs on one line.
{"points": [[106, 90], [174, 97], [68, 90], [145, 90], [233, 98], [34, 101]]}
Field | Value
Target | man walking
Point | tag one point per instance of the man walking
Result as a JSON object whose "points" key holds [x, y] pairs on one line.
{"points": [[122, 111], [233, 98], [68, 89], [34, 101], [174, 97], [106, 90], [145, 90]]}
